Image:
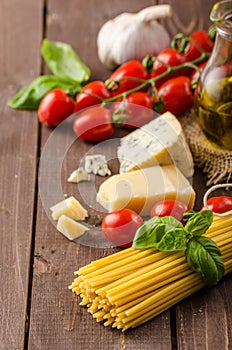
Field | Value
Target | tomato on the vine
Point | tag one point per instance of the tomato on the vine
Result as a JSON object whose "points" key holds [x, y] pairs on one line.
{"points": [[169, 57], [120, 226], [94, 124], [134, 111], [92, 94], [203, 39], [55, 107], [177, 95], [219, 204], [169, 207], [131, 69]]}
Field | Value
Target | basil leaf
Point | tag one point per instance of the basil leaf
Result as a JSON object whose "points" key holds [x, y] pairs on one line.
{"points": [[199, 222], [30, 96], [173, 240], [204, 256], [153, 230], [63, 61]]}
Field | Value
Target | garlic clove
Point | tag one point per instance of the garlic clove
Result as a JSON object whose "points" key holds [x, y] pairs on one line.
{"points": [[154, 12], [133, 36]]}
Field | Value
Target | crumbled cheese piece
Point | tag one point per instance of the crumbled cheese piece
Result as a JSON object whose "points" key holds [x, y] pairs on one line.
{"points": [[97, 165], [70, 207], [70, 228], [79, 175]]}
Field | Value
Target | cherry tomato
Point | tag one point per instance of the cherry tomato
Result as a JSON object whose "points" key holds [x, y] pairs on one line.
{"points": [[55, 107], [93, 124], [169, 207], [90, 93], [203, 39], [135, 111], [140, 98], [171, 57], [177, 95], [120, 226], [220, 204], [133, 69]]}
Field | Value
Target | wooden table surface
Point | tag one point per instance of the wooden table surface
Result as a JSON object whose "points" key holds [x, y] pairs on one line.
{"points": [[36, 262]]}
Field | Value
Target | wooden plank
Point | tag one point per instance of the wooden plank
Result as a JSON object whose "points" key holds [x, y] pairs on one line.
{"points": [[19, 64], [54, 309], [203, 321]]}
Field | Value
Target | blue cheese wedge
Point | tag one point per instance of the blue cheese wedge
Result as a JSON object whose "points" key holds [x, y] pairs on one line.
{"points": [[79, 175], [70, 207], [70, 228], [161, 141], [97, 164], [140, 189]]}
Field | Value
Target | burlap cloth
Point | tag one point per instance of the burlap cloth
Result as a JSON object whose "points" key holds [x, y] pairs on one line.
{"points": [[215, 163]]}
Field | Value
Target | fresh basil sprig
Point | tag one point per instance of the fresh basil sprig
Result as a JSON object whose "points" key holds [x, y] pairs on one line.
{"points": [[168, 234], [63, 61], [29, 97], [69, 73]]}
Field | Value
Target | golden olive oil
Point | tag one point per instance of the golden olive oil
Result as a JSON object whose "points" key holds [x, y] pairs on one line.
{"points": [[213, 109]]}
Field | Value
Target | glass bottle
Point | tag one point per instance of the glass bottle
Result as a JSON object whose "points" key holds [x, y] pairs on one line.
{"points": [[213, 95]]}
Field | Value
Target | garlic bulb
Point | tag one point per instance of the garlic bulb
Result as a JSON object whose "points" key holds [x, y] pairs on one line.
{"points": [[133, 36]]}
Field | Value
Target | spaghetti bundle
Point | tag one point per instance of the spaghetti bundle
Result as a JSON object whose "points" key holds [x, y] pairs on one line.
{"points": [[133, 286]]}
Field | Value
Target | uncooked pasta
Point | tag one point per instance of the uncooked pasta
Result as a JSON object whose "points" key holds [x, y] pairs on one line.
{"points": [[133, 286]]}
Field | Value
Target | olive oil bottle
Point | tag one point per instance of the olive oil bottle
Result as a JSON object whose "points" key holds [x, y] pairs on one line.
{"points": [[213, 95]]}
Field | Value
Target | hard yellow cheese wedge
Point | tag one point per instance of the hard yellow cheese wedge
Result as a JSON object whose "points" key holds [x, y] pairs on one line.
{"points": [[70, 207], [70, 228], [140, 189]]}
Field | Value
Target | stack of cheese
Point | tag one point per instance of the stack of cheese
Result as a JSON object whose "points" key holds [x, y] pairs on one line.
{"points": [[155, 162], [69, 212]]}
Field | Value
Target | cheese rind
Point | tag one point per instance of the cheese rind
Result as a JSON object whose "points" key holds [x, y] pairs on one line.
{"points": [[70, 228], [139, 190], [70, 207], [161, 141]]}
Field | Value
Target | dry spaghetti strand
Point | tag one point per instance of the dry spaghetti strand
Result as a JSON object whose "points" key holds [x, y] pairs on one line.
{"points": [[132, 286]]}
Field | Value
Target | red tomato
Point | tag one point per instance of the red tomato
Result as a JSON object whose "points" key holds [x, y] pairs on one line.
{"points": [[195, 74], [140, 98], [92, 94], [177, 95], [171, 57], [220, 204], [135, 111], [55, 107], [93, 124], [120, 226], [133, 69], [169, 207], [203, 39]]}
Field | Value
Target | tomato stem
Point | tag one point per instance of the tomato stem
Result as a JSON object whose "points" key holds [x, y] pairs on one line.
{"points": [[151, 81]]}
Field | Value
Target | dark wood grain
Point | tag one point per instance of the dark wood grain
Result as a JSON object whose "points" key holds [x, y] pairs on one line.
{"points": [[50, 275], [21, 32], [37, 263]]}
